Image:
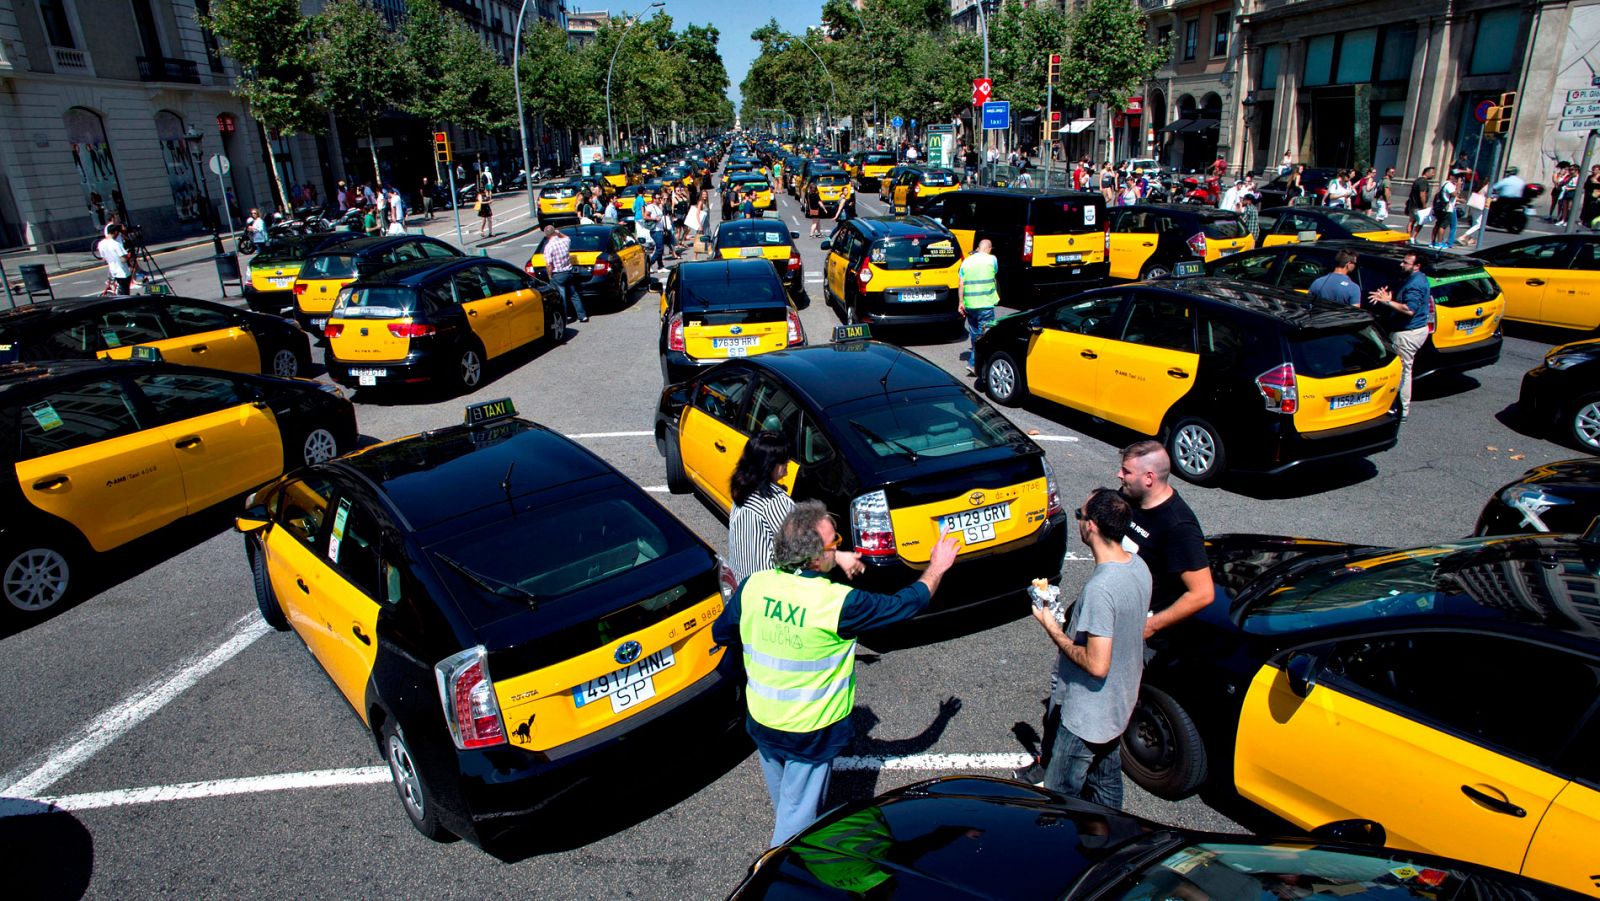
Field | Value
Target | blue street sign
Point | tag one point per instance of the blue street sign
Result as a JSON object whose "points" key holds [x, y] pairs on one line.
{"points": [[913, 123], [896, 121], [997, 114]]}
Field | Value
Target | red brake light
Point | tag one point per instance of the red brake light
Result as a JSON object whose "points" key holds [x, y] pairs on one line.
{"points": [[794, 261], [873, 530], [796, 334], [412, 329], [1279, 389], [299, 288], [1027, 244], [601, 267], [467, 695], [675, 333], [865, 275], [529, 268], [333, 330], [1197, 243]]}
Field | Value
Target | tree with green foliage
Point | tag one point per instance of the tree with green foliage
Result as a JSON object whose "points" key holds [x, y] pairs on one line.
{"points": [[453, 76], [1110, 54], [558, 81], [1021, 39], [268, 40], [359, 73]]}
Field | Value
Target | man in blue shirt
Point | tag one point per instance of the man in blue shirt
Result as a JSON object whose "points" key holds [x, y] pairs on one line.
{"points": [[1336, 285], [1416, 300]]}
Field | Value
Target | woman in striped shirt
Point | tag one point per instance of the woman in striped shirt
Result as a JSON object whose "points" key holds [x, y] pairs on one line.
{"points": [[760, 504]]}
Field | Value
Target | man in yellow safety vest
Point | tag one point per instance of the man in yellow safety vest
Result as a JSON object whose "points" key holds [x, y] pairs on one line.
{"points": [[980, 292], [798, 630]]}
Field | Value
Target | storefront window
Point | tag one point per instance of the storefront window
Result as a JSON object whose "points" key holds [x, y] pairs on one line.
{"points": [[180, 168], [1496, 41], [1271, 58], [97, 171], [1399, 46], [1319, 60], [1356, 49]]}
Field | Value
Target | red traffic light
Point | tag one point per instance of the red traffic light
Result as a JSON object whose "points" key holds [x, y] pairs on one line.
{"points": [[1055, 59], [440, 137]]}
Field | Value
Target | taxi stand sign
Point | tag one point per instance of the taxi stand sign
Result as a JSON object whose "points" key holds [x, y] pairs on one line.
{"points": [[490, 411]]}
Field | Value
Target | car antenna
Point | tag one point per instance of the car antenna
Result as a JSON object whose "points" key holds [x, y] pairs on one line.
{"points": [[884, 381], [505, 483]]}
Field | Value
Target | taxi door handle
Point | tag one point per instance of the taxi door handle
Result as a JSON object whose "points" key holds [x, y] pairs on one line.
{"points": [[188, 442], [1491, 802], [1148, 244], [49, 482], [508, 303], [301, 584], [198, 349], [364, 638], [721, 448], [1535, 282], [472, 312], [1088, 355], [1177, 373]]}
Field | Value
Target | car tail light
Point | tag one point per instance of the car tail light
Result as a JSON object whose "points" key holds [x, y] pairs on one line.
{"points": [[299, 288], [333, 330], [727, 582], [870, 524], [796, 334], [467, 695], [412, 329], [1027, 244], [1279, 389], [865, 275], [794, 262], [675, 333], [529, 268], [1108, 242], [1052, 490], [600, 267], [1197, 243]]}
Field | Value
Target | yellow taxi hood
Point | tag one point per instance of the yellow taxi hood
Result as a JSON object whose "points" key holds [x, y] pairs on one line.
{"points": [[1387, 236]]}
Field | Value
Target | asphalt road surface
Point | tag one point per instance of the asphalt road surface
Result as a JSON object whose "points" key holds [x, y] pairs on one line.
{"points": [[196, 754]]}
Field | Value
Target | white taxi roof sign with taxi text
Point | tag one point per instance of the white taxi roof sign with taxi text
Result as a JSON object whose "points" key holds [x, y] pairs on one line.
{"points": [[857, 332], [490, 410]]}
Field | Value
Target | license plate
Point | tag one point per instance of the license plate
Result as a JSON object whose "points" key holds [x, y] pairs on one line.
{"points": [[1229, 251], [734, 343], [319, 323], [282, 282], [976, 525], [1069, 257], [1349, 400], [914, 296], [627, 686], [1468, 326], [750, 253]]}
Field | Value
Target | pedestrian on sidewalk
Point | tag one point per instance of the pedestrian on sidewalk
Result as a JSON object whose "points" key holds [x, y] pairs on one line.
{"points": [[485, 207], [120, 265], [557, 252], [427, 199], [1589, 210], [656, 228], [1444, 212], [1249, 216], [694, 225], [256, 228], [1418, 209], [1380, 195]]}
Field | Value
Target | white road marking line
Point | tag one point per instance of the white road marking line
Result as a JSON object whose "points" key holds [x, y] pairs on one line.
{"points": [[132, 710], [1068, 438], [612, 435], [374, 775], [656, 489]]}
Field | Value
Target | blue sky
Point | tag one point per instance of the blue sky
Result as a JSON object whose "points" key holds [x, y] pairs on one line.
{"points": [[735, 19]]}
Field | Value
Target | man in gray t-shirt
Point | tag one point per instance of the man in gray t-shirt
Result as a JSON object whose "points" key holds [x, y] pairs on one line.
{"points": [[1101, 657]]}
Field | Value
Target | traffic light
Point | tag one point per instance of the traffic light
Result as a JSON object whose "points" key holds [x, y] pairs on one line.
{"points": [[1055, 117], [1055, 68], [1494, 121], [441, 146]]}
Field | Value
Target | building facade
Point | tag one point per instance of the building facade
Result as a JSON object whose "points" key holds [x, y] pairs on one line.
{"points": [[114, 106], [1183, 124]]}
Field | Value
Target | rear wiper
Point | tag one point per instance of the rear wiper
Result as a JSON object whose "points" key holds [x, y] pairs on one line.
{"points": [[488, 583], [870, 435]]}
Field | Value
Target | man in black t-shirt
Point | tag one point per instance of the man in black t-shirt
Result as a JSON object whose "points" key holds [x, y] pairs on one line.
{"points": [[1166, 535]]}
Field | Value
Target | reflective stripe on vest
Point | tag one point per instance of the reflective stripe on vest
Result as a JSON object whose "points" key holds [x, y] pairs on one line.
{"points": [[978, 289], [801, 674]]}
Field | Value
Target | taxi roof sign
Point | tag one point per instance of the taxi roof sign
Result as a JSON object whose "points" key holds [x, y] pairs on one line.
{"points": [[145, 353], [9, 353], [859, 331], [1188, 269], [489, 411]]}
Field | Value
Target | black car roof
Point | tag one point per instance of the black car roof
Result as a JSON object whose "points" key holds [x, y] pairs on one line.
{"points": [[1432, 260], [370, 244], [757, 226], [828, 374], [1282, 304], [440, 474], [875, 227], [725, 284], [413, 273], [14, 376], [1192, 209], [1033, 193], [46, 310]]}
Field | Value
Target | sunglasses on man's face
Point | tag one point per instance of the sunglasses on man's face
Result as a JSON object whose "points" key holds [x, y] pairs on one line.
{"points": [[833, 545], [1078, 514]]}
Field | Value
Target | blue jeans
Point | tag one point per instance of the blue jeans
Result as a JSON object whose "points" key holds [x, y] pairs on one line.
{"points": [[1079, 769], [658, 239], [1454, 219], [978, 322], [571, 299], [796, 789]]}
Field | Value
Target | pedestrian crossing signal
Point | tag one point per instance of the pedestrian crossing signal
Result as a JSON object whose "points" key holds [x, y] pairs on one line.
{"points": [[441, 146]]}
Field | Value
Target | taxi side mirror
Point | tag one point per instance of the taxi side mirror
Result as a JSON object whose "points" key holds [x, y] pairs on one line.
{"points": [[253, 519], [1302, 671], [793, 235], [825, 245]]}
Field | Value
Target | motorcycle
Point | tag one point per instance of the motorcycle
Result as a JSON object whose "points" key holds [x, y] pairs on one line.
{"points": [[1511, 213], [1196, 191]]}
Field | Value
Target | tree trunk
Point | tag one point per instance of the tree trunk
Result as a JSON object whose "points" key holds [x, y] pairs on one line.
{"points": [[372, 145], [273, 175]]}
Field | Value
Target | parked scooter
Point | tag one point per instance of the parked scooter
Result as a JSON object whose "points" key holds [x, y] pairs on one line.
{"points": [[1207, 192], [1511, 213]]}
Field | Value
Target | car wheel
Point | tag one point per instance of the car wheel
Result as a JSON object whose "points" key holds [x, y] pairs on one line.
{"points": [[1154, 271], [285, 363], [469, 367], [1583, 423], [851, 316], [266, 601], [38, 574], [558, 326], [408, 783], [318, 446], [677, 479], [1196, 450], [1161, 748], [1004, 380]]}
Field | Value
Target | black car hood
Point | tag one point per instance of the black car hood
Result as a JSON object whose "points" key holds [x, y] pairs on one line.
{"points": [[1569, 478]]}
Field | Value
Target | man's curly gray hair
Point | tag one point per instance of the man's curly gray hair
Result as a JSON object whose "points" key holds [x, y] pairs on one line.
{"points": [[797, 542]]}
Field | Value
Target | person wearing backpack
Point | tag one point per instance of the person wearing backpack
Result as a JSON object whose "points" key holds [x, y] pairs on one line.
{"points": [[1444, 212]]}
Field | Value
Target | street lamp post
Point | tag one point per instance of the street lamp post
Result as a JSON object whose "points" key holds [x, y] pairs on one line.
{"points": [[522, 120], [611, 128], [831, 88], [193, 137], [857, 13]]}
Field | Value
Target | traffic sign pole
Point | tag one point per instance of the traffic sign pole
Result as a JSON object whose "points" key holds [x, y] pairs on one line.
{"points": [[220, 165], [1576, 214]]}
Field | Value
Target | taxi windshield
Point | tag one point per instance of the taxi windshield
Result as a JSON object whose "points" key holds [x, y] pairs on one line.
{"points": [[1322, 355], [276, 254], [752, 184], [583, 241], [1227, 870], [939, 178], [376, 303], [878, 159], [606, 168], [330, 265], [1222, 227], [1065, 215], [752, 237], [560, 191], [914, 252], [832, 181], [939, 422], [1460, 289], [564, 548]]}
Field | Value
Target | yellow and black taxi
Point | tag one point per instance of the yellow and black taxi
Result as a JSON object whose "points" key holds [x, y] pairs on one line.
{"points": [[908, 189], [504, 611], [1330, 680], [1294, 224], [891, 271], [792, 166], [325, 273], [767, 239], [813, 167], [1047, 243], [608, 262], [273, 269], [982, 837], [1230, 375], [1552, 281], [184, 330], [616, 174], [825, 192], [104, 452], [870, 169], [717, 309], [439, 321], [679, 173], [1149, 239], [1560, 496], [558, 203], [898, 450], [625, 198], [1467, 304], [758, 186], [1562, 394]]}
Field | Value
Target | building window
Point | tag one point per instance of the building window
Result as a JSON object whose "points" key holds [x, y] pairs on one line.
{"points": [[56, 24], [1496, 41], [1271, 59], [1164, 37], [1219, 34], [181, 175], [1319, 60], [213, 52], [1399, 46], [91, 156], [1191, 39], [1356, 50]]}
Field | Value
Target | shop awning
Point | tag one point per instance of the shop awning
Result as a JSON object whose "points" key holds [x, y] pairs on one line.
{"points": [[1203, 125], [1075, 126], [1177, 125]]}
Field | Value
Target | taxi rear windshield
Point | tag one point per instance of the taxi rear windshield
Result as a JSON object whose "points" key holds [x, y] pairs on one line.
{"points": [[1062, 216], [583, 241], [914, 252], [1322, 355], [1355, 223], [832, 181], [1222, 227], [607, 168], [878, 159], [942, 422], [751, 237], [752, 185], [376, 303], [1463, 288], [942, 178], [329, 265], [272, 255], [560, 191]]}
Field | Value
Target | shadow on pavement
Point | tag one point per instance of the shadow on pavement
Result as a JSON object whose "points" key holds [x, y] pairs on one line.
{"points": [[49, 852], [854, 785], [1444, 384], [947, 626]]}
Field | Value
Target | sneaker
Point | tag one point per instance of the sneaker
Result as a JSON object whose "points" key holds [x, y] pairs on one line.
{"points": [[1032, 774], [1561, 224]]}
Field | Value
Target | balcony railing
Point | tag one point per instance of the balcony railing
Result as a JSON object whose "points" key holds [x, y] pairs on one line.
{"points": [[163, 68], [69, 60]]}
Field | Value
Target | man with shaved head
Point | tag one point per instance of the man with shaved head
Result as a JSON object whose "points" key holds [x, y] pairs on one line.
{"points": [[1166, 535]]}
